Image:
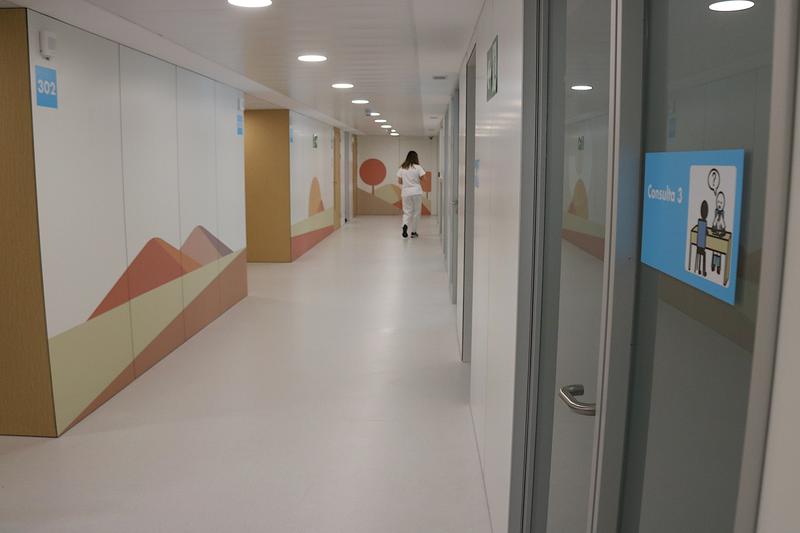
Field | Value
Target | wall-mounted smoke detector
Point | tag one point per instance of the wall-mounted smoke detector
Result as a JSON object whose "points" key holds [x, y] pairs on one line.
{"points": [[440, 77]]}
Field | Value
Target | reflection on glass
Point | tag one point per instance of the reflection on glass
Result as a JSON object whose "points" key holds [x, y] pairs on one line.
{"points": [[708, 86], [577, 187]]}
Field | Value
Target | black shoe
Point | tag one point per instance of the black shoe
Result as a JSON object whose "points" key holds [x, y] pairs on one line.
{"points": [[414, 235], [405, 231]]}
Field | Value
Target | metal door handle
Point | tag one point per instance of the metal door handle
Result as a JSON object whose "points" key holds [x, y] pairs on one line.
{"points": [[568, 394]]}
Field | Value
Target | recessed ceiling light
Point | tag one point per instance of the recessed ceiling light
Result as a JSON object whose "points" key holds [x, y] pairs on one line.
{"points": [[381, 121], [360, 102], [387, 126], [581, 87], [312, 58], [394, 131], [374, 114], [395, 134], [731, 5], [342, 85], [250, 3]]}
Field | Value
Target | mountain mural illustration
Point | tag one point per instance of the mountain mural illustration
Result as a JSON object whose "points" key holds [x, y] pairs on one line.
{"points": [[159, 263]]}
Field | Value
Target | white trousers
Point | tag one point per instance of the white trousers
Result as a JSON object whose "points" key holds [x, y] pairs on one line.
{"points": [[412, 209]]}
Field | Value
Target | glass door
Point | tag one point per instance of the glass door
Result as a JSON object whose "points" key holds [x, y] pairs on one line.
{"points": [[708, 70], [575, 258]]}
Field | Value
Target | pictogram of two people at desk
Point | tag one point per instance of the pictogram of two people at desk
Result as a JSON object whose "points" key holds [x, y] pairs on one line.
{"points": [[710, 235]]}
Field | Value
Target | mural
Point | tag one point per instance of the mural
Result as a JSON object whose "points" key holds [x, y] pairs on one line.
{"points": [[378, 192], [311, 182], [141, 223], [578, 228], [585, 172], [388, 199], [203, 266], [318, 225]]}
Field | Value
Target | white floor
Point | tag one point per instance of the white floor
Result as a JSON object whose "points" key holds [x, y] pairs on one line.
{"points": [[331, 400]]}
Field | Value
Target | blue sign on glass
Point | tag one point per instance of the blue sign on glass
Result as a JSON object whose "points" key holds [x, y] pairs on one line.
{"points": [[690, 222], [46, 87], [239, 125]]}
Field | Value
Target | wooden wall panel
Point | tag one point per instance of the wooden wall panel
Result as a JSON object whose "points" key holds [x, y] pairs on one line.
{"points": [[26, 396], [267, 186]]}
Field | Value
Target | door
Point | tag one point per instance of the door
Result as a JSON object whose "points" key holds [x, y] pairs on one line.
{"points": [[456, 226], [337, 178], [644, 385], [575, 259], [469, 213], [709, 81]]}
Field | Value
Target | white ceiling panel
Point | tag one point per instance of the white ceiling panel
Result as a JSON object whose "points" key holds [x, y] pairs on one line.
{"points": [[390, 49]]}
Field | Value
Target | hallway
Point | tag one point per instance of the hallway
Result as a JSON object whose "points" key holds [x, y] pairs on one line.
{"points": [[330, 400]]}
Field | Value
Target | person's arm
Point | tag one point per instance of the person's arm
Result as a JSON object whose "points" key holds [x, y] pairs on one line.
{"points": [[399, 178]]}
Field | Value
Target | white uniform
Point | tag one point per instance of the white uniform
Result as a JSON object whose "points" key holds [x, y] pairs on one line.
{"points": [[412, 195]]}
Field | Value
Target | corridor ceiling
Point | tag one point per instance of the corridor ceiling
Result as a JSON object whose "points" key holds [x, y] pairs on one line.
{"points": [[390, 49]]}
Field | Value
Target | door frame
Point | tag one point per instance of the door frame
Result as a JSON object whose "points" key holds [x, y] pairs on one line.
{"points": [[337, 178], [534, 383], [467, 263], [453, 208]]}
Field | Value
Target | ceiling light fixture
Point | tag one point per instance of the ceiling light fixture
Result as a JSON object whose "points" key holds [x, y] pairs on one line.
{"points": [[361, 102], [343, 85], [581, 87], [374, 114], [250, 3], [731, 5], [395, 134], [381, 121], [387, 126], [312, 58]]}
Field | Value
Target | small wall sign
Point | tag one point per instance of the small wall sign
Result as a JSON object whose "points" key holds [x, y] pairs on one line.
{"points": [[316, 140], [239, 124], [691, 217], [491, 71], [46, 87]]}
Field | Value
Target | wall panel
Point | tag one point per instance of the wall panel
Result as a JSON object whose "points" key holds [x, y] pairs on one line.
{"points": [[267, 181], [152, 219], [231, 191], [311, 177], [496, 247], [26, 396], [81, 217], [128, 184], [201, 247]]}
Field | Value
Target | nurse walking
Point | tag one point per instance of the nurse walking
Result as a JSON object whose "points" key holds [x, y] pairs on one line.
{"points": [[410, 176]]}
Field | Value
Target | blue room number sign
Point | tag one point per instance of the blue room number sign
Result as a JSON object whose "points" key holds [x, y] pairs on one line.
{"points": [[46, 87], [691, 218]]}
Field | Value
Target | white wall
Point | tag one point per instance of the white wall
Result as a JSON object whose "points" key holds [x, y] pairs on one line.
{"points": [[78, 174], [497, 219], [308, 163], [781, 483], [230, 167]]}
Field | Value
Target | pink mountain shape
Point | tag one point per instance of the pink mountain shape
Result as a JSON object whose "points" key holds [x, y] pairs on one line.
{"points": [[202, 248], [158, 263]]}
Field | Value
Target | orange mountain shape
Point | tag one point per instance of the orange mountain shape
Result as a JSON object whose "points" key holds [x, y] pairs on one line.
{"points": [[315, 203], [159, 263]]}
